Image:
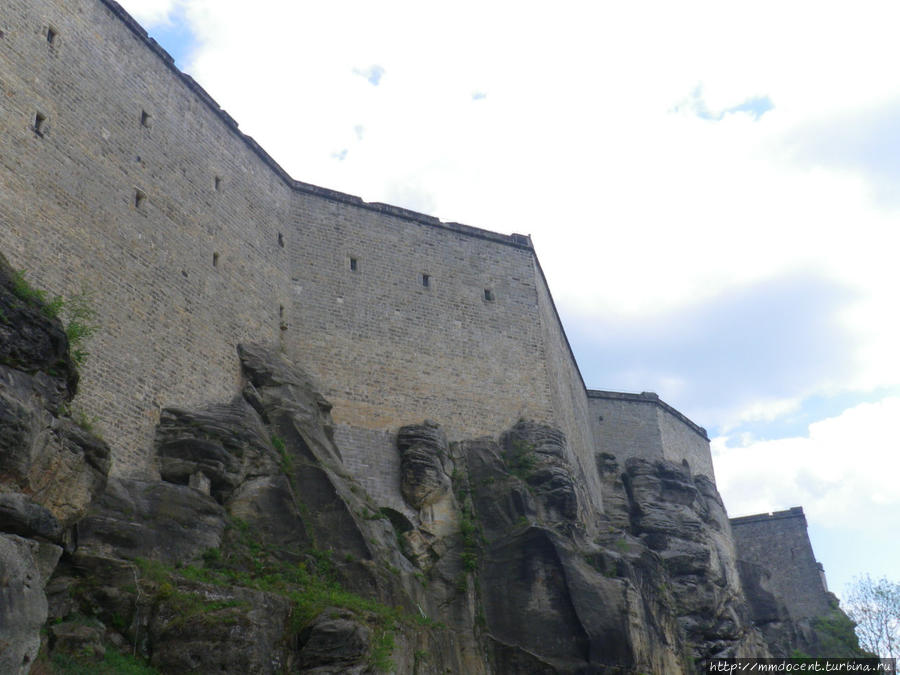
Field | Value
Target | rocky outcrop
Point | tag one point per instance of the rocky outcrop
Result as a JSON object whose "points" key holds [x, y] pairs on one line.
{"points": [[681, 517], [50, 468], [553, 600], [255, 551], [25, 566]]}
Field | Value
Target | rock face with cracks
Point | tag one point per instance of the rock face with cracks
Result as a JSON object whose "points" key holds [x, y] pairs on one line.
{"points": [[255, 551], [50, 468]]}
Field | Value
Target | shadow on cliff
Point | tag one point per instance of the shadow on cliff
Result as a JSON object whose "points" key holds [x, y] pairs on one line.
{"points": [[255, 551]]}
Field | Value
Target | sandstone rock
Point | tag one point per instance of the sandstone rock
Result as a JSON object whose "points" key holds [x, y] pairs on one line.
{"points": [[25, 566], [333, 643], [422, 477], [59, 465], [267, 505], [537, 451], [19, 515], [207, 629], [33, 342], [681, 517], [151, 519], [225, 443], [71, 637]]}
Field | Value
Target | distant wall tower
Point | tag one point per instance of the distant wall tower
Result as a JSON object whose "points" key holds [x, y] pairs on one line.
{"points": [[642, 425], [779, 543]]}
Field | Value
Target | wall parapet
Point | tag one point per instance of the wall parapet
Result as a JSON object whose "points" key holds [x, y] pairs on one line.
{"points": [[653, 399], [793, 512], [516, 240]]}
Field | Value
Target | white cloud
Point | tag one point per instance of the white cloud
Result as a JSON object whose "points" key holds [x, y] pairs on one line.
{"points": [[843, 474], [635, 208], [150, 12], [638, 208]]}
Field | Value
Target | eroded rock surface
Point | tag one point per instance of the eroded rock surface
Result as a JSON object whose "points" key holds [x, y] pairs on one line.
{"points": [[50, 468], [257, 552], [25, 566]]}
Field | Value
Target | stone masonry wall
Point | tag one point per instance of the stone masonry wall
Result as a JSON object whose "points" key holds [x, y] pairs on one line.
{"points": [[641, 425], [682, 440], [120, 176], [779, 542], [569, 398], [132, 184], [169, 318], [391, 350]]}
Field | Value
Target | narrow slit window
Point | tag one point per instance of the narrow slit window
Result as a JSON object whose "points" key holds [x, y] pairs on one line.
{"points": [[215, 259], [280, 240], [488, 295], [39, 123], [51, 35], [217, 183], [145, 119], [426, 280], [140, 198], [354, 265]]}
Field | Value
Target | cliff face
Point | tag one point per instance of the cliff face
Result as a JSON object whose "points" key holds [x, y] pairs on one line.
{"points": [[255, 551]]}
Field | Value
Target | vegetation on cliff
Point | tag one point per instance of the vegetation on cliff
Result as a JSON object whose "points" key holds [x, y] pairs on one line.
{"points": [[255, 551]]}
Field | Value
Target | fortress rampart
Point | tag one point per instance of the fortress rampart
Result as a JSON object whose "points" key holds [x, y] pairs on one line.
{"points": [[649, 428], [779, 543], [120, 175]]}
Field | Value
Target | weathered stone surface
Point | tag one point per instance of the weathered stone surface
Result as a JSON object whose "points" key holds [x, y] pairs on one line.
{"points": [[423, 480], [233, 630], [19, 515], [334, 643], [54, 461], [225, 443], [680, 516], [25, 566], [267, 505], [151, 519], [34, 343], [73, 637], [554, 602], [538, 451]]}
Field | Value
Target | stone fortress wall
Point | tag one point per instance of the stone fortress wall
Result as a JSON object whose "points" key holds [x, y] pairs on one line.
{"points": [[649, 427], [120, 175], [779, 543]]}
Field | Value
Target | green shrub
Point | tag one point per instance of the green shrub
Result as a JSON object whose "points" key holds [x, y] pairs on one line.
{"points": [[77, 311]]}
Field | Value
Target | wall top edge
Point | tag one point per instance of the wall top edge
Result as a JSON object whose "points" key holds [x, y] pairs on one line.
{"points": [[515, 240], [793, 512], [653, 399]]}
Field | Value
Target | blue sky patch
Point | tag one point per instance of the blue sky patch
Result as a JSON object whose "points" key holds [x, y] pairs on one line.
{"points": [[176, 37], [372, 74], [764, 341], [756, 106], [795, 424]]}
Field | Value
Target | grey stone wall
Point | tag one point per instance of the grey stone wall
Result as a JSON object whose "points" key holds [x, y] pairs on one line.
{"points": [[138, 188], [642, 425], [120, 176], [169, 318], [779, 542], [568, 399], [392, 351]]}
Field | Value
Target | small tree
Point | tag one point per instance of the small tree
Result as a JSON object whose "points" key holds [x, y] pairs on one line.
{"points": [[875, 607]]}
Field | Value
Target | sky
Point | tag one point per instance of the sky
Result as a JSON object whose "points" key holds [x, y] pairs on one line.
{"points": [[712, 188]]}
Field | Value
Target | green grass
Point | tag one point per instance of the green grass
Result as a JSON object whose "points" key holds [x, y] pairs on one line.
{"points": [[520, 459], [311, 585], [113, 663], [77, 310], [286, 460]]}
